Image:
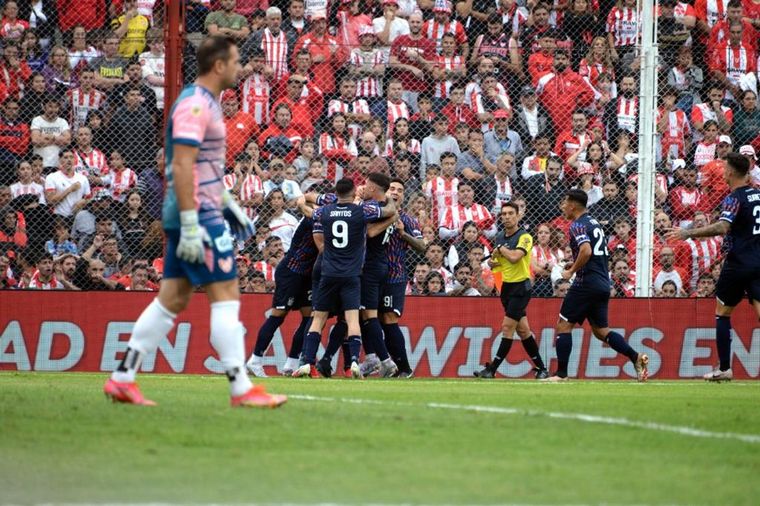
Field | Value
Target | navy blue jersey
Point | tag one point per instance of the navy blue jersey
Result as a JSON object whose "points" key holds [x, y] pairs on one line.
{"points": [[396, 248], [741, 209], [595, 274], [303, 252], [376, 258], [344, 227]]}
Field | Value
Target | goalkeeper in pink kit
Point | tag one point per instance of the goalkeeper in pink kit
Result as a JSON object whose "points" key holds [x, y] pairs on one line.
{"points": [[198, 216]]}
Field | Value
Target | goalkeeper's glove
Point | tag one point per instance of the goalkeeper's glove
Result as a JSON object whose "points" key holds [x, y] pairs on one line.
{"points": [[191, 236], [240, 225]]}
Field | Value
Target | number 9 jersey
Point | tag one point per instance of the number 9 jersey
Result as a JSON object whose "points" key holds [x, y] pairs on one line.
{"points": [[595, 274]]}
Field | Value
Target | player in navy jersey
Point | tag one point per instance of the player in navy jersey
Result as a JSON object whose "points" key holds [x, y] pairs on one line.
{"points": [[739, 222], [406, 233], [589, 294], [340, 231]]}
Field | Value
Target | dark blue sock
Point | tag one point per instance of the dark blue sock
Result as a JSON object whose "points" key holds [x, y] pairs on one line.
{"points": [[374, 332], [394, 341], [354, 347], [346, 350], [296, 345], [368, 341], [618, 343], [337, 336], [564, 347], [310, 346], [723, 341], [266, 333]]}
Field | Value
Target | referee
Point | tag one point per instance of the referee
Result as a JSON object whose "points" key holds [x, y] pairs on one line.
{"points": [[512, 260]]}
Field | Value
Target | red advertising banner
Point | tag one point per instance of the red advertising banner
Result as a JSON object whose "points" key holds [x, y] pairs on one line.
{"points": [[446, 337]]}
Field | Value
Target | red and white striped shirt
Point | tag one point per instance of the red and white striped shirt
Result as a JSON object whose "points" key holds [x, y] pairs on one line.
{"points": [[120, 183], [456, 216], [93, 163], [358, 106], [704, 153], [673, 140], [447, 63], [704, 112], [443, 193], [81, 103], [412, 146], [256, 91], [623, 24], [711, 11], [265, 268], [704, 253], [396, 111], [627, 113], [18, 189], [434, 30], [473, 89], [369, 86], [734, 62], [250, 186], [334, 148], [36, 284], [503, 194], [276, 52], [591, 71]]}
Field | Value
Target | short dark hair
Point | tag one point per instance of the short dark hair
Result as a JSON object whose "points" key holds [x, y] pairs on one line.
{"points": [[448, 154], [381, 180], [577, 196], [344, 187], [211, 50], [44, 256], [511, 205], [738, 163], [460, 266], [398, 181]]}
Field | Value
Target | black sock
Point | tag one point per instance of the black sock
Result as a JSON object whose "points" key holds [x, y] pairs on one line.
{"points": [[723, 341], [394, 340], [296, 345], [618, 343], [531, 347], [355, 348], [346, 350], [266, 333], [501, 353], [310, 346], [337, 336], [564, 346], [374, 334], [368, 340]]}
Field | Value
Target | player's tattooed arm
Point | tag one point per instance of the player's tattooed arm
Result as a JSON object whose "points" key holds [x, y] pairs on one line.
{"points": [[417, 243]]}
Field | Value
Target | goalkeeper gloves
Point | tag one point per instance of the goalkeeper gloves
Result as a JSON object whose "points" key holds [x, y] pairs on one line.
{"points": [[191, 237], [240, 225]]}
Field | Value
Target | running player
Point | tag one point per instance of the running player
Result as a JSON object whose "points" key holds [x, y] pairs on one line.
{"points": [[199, 249], [740, 222], [589, 294], [512, 260], [340, 231], [406, 233]]}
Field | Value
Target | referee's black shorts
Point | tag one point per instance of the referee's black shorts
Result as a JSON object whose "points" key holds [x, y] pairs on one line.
{"points": [[515, 298]]}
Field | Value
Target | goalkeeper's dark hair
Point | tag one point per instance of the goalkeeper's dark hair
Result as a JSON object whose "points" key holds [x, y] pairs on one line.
{"points": [[738, 163], [344, 187], [577, 196], [381, 180], [211, 50]]}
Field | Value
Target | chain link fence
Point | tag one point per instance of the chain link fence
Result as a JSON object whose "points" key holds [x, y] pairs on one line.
{"points": [[471, 105]]}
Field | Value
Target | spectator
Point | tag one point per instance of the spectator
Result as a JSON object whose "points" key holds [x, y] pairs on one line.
{"points": [[435, 145], [435, 259], [416, 284], [290, 189], [668, 290], [434, 284], [90, 276], [622, 115], [720, 31], [580, 24], [586, 182], [44, 276], [337, 146], [401, 141], [530, 117], [134, 80], [153, 64], [227, 22], [562, 91], [354, 108], [540, 62], [109, 68], [402, 169], [663, 223], [672, 127], [443, 190], [389, 26], [119, 178], [43, 19], [65, 267], [327, 55], [462, 286], [733, 61], [465, 210], [134, 225], [138, 279], [746, 128], [469, 237], [754, 173], [501, 139], [296, 22], [684, 198], [132, 131], [535, 164], [712, 109], [281, 138], [276, 44], [91, 14], [672, 33], [11, 27], [705, 251], [32, 103], [89, 160], [623, 31], [474, 167], [81, 101], [58, 75], [610, 207], [435, 28], [561, 286], [573, 140], [60, 244], [14, 140], [14, 69], [81, 54], [705, 286], [543, 192], [66, 191], [489, 101], [368, 144], [32, 52], [367, 64], [240, 126], [50, 133], [624, 235], [457, 112], [623, 282], [604, 167], [131, 28], [12, 234], [687, 79], [25, 184]]}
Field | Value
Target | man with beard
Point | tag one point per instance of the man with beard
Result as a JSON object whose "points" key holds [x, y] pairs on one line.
{"points": [[411, 56], [623, 113], [562, 91]]}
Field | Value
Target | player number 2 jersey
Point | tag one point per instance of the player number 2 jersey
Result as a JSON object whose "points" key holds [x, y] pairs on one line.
{"points": [[741, 209], [344, 227], [595, 274], [196, 120]]}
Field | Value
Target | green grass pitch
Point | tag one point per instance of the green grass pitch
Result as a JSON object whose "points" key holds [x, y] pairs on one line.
{"points": [[381, 442]]}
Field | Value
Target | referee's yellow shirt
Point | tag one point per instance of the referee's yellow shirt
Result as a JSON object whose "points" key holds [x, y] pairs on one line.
{"points": [[520, 271]]}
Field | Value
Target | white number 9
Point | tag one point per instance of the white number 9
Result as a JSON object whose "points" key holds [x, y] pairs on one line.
{"points": [[340, 234]]}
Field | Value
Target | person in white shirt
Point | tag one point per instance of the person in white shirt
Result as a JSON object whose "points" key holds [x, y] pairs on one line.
{"points": [[25, 185], [463, 285], [50, 133], [153, 65], [66, 190], [390, 26], [273, 214], [290, 189]]}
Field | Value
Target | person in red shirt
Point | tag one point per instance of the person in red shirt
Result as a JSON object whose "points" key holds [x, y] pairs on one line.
{"points": [[732, 60], [241, 126], [684, 198], [91, 14], [458, 112], [410, 58], [719, 32], [14, 71], [562, 91], [327, 55], [14, 137], [281, 137], [11, 27], [303, 116], [573, 140], [540, 62]]}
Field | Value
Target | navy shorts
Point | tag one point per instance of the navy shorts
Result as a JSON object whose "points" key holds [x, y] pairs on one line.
{"points": [[372, 282], [734, 283], [337, 292], [219, 263], [585, 304], [394, 295], [515, 298], [291, 290]]}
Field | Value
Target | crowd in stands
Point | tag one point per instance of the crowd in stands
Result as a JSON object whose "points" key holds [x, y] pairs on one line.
{"points": [[471, 105]]}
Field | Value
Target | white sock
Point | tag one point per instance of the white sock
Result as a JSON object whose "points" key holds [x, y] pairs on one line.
{"points": [[291, 363], [227, 340], [154, 323]]}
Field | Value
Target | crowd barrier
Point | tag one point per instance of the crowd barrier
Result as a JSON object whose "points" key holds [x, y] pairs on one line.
{"points": [[446, 337]]}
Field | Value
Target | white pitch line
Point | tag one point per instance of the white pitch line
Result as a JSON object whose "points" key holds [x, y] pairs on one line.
{"points": [[580, 417]]}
